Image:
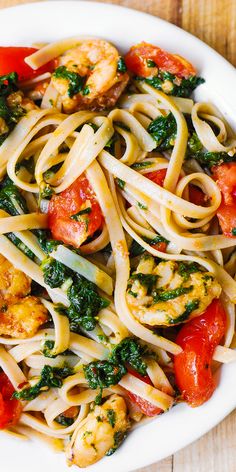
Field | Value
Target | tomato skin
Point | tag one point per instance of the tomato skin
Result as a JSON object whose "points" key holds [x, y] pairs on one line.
{"points": [[146, 407], [225, 177], [137, 56], [10, 408], [198, 339], [226, 215], [157, 176], [197, 196], [68, 203], [12, 60]]}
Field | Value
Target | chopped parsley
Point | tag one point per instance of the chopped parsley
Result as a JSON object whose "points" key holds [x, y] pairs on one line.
{"points": [[136, 249], [185, 269], [151, 63], [121, 66], [120, 183], [147, 280], [77, 216], [141, 165], [179, 86], [207, 159], [163, 129], [163, 296], [85, 303], [189, 308], [111, 415], [129, 351], [75, 81], [86, 90], [103, 374], [119, 437], [50, 377]]}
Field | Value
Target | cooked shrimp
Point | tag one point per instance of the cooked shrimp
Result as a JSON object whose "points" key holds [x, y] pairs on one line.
{"points": [[102, 430], [97, 62], [13, 282], [20, 315], [170, 293], [22, 318]]}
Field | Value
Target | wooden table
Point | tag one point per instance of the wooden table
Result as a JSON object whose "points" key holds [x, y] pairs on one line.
{"points": [[213, 21]]}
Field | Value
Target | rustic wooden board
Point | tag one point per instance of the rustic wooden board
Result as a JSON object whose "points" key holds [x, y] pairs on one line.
{"points": [[213, 21]]}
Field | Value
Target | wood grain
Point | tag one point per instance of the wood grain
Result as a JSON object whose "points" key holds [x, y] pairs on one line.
{"points": [[213, 21]]}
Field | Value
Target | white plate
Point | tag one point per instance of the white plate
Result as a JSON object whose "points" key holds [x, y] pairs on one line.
{"points": [[53, 20]]}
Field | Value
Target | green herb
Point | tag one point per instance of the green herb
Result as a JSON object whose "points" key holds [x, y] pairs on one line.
{"points": [[48, 347], [50, 377], [189, 308], [85, 304], [136, 249], [151, 63], [163, 296], [163, 129], [54, 272], [11, 114], [120, 183], [141, 206], [147, 280], [18, 243], [75, 81], [206, 158], [99, 419], [103, 338], [47, 245], [181, 87], [129, 351], [111, 415], [110, 144], [48, 174], [141, 165], [46, 191], [64, 420], [103, 374], [121, 66], [119, 437], [133, 294], [77, 216], [234, 231], [185, 269], [11, 199], [86, 90]]}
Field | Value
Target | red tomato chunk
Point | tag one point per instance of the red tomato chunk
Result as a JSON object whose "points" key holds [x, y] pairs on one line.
{"points": [[63, 208], [198, 339], [10, 408]]}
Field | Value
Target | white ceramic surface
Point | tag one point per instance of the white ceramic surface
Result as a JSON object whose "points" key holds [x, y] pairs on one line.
{"points": [[53, 20]]}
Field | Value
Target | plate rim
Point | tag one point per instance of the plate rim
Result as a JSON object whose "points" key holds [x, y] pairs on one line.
{"points": [[180, 409]]}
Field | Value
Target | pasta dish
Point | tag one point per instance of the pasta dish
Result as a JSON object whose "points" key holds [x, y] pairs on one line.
{"points": [[117, 242]]}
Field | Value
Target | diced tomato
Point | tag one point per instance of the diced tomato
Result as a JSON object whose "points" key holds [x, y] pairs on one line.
{"points": [[12, 60], [160, 246], [10, 408], [67, 204], [197, 196], [198, 339], [157, 176], [225, 177], [138, 61], [146, 407], [227, 218]]}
